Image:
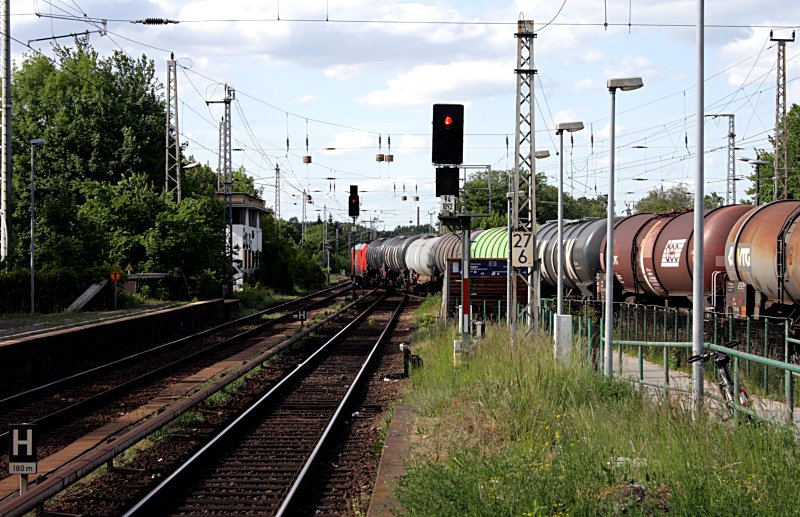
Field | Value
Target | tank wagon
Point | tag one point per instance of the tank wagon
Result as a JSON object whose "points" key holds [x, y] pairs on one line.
{"points": [[761, 263], [750, 264]]}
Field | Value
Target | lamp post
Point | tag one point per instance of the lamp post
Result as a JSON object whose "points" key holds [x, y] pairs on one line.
{"points": [[34, 142], [624, 84], [755, 162], [562, 339]]}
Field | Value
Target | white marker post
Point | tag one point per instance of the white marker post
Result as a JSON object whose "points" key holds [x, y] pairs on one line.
{"points": [[22, 453]]}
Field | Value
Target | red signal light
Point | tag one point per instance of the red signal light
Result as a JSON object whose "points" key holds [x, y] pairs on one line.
{"points": [[448, 120]]}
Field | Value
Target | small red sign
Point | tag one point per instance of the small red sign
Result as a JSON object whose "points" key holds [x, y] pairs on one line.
{"points": [[115, 275]]}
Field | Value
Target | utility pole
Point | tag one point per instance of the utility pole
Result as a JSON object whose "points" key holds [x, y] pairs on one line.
{"points": [[172, 177], [781, 156], [226, 160], [523, 203], [6, 162], [277, 195], [325, 246], [730, 184], [220, 155], [303, 227]]}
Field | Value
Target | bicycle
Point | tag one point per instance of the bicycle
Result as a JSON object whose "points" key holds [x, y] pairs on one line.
{"points": [[721, 361]]}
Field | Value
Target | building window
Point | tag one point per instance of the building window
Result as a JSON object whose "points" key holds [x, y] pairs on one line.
{"points": [[239, 215]]}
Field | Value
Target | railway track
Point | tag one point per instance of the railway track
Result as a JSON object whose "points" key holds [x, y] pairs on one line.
{"points": [[120, 488], [261, 462], [78, 403]]}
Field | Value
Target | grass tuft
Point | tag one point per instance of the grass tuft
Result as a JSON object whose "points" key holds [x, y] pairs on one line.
{"points": [[510, 433]]}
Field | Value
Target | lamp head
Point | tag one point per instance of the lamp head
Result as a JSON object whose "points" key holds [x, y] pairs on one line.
{"points": [[570, 127], [38, 141], [541, 154], [625, 84]]}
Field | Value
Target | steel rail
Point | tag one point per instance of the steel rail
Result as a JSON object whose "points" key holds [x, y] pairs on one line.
{"points": [[336, 418], [58, 480], [50, 419], [150, 503]]}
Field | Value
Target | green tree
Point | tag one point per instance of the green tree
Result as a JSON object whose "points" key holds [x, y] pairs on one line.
{"points": [[122, 214], [713, 200], [546, 196], [188, 238], [670, 200], [244, 183], [762, 175], [102, 119]]}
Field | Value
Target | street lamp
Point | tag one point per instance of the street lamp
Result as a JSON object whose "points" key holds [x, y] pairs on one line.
{"points": [[755, 163], [625, 84], [570, 127], [34, 142]]}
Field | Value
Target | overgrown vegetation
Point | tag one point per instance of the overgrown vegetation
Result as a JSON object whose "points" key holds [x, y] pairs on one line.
{"points": [[509, 433]]}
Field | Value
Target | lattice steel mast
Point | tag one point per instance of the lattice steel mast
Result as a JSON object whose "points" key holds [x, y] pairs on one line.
{"points": [[6, 163], [225, 160], [172, 177], [523, 202], [730, 183], [781, 157]]}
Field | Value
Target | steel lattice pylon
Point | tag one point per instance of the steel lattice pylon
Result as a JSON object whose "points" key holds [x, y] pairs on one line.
{"points": [[523, 200], [781, 149], [730, 191], [225, 161], [172, 178], [730, 182], [277, 195]]}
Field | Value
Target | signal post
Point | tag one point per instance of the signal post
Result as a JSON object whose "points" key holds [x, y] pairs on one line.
{"points": [[447, 154]]}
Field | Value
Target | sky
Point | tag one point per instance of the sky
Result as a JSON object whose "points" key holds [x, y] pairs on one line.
{"points": [[354, 78]]}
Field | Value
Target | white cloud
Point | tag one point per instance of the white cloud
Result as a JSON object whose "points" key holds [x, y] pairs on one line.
{"points": [[744, 71], [343, 72], [565, 116], [632, 66], [350, 142], [457, 82], [586, 85], [303, 99]]}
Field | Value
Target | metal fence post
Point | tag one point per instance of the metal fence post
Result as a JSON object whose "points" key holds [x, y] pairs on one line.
{"points": [[788, 377], [747, 345], [589, 340], [766, 354], [735, 391]]}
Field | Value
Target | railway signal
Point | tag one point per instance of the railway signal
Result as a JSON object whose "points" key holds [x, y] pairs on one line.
{"points": [[353, 202], [446, 181], [448, 134]]}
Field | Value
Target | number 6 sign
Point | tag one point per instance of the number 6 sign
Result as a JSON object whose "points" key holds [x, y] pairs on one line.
{"points": [[522, 249]]}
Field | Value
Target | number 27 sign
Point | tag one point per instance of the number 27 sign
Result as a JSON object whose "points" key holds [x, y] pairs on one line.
{"points": [[522, 249]]}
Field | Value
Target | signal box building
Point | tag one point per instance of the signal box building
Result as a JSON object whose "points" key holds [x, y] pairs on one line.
{"points": [[247, 241]]}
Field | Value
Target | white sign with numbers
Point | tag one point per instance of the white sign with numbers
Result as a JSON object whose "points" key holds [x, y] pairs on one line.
{"points": [[522, 246], [448, 205]]}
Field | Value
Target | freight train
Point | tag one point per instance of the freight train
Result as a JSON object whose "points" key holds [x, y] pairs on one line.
{"points": [[750, 264]]}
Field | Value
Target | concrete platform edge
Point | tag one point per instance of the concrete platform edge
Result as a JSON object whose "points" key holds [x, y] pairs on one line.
{"points": [[396, 451]]}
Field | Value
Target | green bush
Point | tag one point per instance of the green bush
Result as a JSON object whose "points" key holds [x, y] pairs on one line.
{"points": [[55, 289]]}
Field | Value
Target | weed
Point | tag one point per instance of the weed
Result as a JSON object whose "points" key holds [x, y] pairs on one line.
{"points": [[511, 433]]}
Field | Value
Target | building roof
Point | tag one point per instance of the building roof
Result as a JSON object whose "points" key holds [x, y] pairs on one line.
{"points": [[245, 200]]}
